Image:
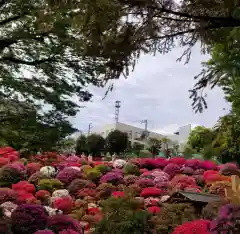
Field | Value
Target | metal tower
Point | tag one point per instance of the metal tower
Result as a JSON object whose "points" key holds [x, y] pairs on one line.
{"points": [[117, 107]]}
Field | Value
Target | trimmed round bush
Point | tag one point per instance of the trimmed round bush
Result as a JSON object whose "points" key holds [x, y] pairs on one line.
{"points": [[131, 169], [58, 223], [103, 168], [68, 174], [93, 174], [50, 185], [28, 219], [9, 176], [7, 194], [79, 184]]}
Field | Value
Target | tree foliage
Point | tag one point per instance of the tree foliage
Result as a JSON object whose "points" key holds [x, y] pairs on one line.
{"points": [[154, 145], [95, 144], [200, 137], [81, 145], [117, 141], [27, 131], [47, 61], [134, 27]]}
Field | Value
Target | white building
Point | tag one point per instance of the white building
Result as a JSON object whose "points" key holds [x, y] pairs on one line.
{"points": [[135, 133]]}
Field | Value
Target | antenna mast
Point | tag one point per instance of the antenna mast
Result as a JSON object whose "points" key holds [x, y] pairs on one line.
{"points": [[117, 107]]}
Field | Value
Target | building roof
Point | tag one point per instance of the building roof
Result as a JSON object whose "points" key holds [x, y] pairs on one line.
{"points": [[194, 197]]}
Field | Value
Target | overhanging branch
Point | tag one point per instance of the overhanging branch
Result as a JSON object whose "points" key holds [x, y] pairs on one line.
{"points": [[9, 20], [31, 63]]}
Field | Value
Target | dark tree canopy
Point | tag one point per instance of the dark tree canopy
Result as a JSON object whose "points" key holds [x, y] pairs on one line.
{"points": [[148, 26], [27, 131], [81, 145], [117, 142], [95, 144]]}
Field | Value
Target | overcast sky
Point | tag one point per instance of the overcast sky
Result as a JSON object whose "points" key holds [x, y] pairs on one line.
{"points": [[157, 90]]}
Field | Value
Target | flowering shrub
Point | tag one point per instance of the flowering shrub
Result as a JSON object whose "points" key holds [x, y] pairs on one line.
{"points": [[7, 194], [79, 184], [68, 174], [119, 163], [58, 223], [59, 194], [145, 183], [219, 187], [184, 180], [46, 231], [64, 204], [172, 215], [118, 194], [196, 226], [28, 219], [177, 160], [154, 209], [48, 171], [25, 186], [211, 210], [112, 177], [151, 192], [227, 220], [35, 177], [9, 176], [130, 179], [32, 168], [172, 169], [187, 170]]}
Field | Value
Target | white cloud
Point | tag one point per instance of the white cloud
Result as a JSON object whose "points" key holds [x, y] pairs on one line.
{"points": [[157, 90]]}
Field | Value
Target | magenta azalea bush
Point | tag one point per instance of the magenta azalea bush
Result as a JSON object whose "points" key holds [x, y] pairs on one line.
{"points": [[55, 194]]}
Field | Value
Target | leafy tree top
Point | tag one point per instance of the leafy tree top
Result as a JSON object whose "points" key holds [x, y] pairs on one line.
{"points": [[200, 137], [44, 55]]}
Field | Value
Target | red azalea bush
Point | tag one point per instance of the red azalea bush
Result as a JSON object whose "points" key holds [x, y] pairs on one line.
{"points": [[154, 209], [24, 186], [64, 203], [196, 226], [151, 192], [79, 189]]}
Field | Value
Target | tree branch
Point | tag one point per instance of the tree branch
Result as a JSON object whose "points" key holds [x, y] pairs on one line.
{"points": [[196, 18], [189, 31], [31, 63], [8, 20]]}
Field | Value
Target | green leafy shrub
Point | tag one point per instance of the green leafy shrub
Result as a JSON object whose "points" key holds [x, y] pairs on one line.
{"points": [[145, 154], [123, 216], [50, 185], [9, 176], [103, 168], [105, 190], [131, 169], [171, 216], [85, 168], [93, 174]]}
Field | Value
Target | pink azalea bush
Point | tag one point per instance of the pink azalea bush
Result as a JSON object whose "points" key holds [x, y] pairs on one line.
{"points": [[51, 193]]}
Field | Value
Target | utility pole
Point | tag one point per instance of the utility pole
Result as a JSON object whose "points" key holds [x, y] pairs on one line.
{"points": [[145, 122], [89, 128], [117, 107], [145, 133]]}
